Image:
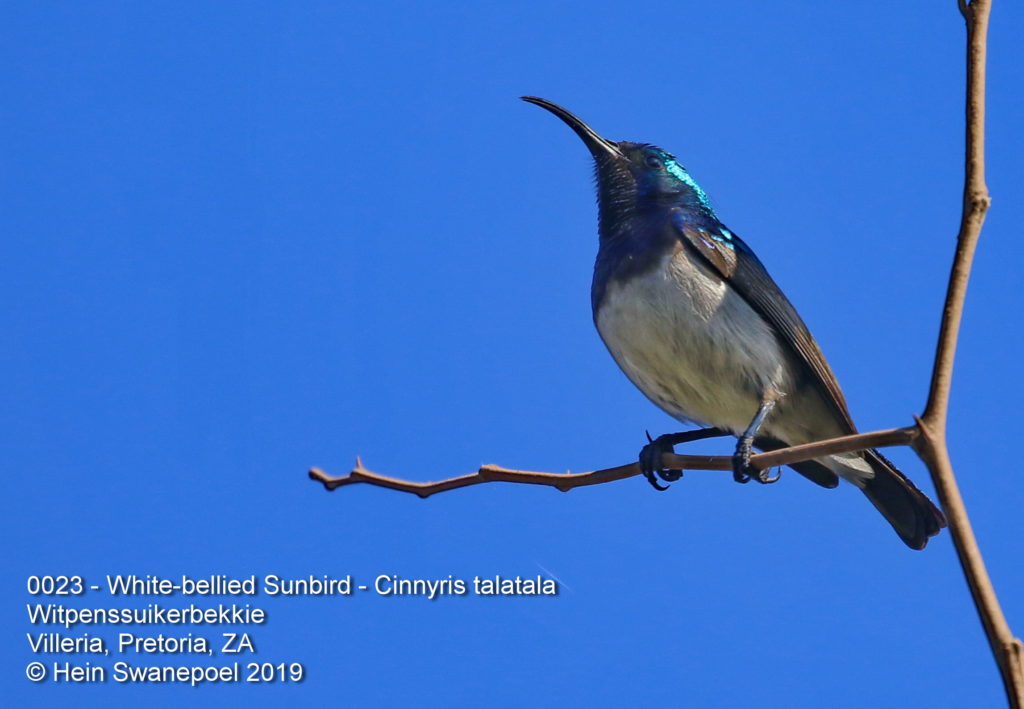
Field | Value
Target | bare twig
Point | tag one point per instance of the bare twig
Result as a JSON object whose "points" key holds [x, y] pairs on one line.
{"points": [[932, 446], [568, 481], [928, 437], [976, 203]]}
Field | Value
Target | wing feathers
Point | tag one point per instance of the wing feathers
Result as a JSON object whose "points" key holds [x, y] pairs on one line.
{"points": [[737, 264]]}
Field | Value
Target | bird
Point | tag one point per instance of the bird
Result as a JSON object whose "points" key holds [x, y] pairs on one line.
{"points": [[691, 316]]}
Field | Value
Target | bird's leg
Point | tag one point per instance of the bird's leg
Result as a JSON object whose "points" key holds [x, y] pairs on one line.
{"points": [[742, 470], [650, 455]]}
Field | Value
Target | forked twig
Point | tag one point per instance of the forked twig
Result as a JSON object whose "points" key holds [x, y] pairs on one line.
{"points": [[932, 445], [927, 437]]}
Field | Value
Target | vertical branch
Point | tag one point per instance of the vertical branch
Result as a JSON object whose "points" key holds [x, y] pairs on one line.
{"points": [[976, 202], [932, 445]]}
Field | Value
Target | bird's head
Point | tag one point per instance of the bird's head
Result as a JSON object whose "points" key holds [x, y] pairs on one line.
{"points": [[632, 176]]}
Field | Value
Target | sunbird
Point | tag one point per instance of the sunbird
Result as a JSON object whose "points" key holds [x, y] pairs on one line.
{"points": [[693, 319]]}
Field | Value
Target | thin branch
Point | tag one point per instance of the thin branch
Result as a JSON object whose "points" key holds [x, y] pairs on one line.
{"points": [[932, 445], [568, 481], [976, 203]]}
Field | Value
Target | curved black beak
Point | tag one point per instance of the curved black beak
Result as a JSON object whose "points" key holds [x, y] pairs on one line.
{"points": [[599, 147]]}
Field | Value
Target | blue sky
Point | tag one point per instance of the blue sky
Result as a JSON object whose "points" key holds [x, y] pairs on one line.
{"points": [[244, 239]]}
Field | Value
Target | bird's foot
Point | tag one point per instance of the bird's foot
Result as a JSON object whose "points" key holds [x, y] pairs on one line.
{"points": [[650, 461], [743, 471]]}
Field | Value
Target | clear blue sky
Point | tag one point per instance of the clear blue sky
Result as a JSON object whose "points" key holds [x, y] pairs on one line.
{"points": [[243, 239]]}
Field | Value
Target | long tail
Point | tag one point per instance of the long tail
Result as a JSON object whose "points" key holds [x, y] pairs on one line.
{"points": [[914, 517]]}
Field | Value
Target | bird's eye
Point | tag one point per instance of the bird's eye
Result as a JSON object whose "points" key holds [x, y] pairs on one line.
{"points": [[653, 161]]}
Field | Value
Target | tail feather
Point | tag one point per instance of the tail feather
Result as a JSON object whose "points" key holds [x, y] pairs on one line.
{"points": [[914, 517]]}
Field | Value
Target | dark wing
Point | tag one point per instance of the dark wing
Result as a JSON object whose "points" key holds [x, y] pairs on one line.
{"points": [[737, 264]]}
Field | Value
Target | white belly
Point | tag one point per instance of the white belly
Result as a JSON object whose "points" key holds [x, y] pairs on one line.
{"points": [[691, 344]]}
